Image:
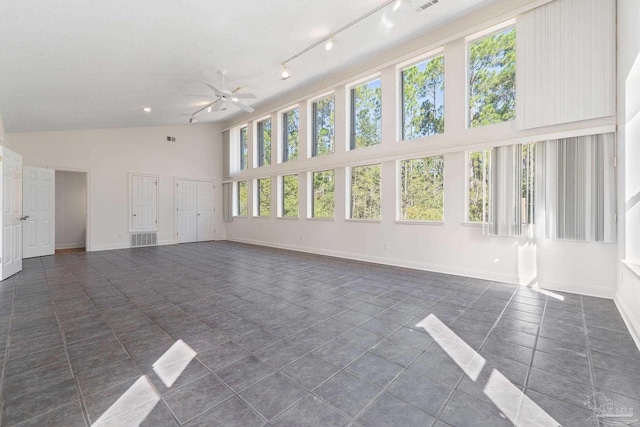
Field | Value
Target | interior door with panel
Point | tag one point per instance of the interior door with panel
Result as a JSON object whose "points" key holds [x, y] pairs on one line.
{"points": [[38, 209], [11, 256], [186, 210], [144, 203], [206, 211]]}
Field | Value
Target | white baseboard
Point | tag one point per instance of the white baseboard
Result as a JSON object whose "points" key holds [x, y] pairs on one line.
{"points": [[166, 242], [438, 268], [95, 248], [630, 319], [575, 288]]}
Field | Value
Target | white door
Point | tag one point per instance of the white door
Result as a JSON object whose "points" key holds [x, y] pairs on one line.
{"points": [[11, 255], [144, 202], [206, 211], [38, 209], [186, 210]]}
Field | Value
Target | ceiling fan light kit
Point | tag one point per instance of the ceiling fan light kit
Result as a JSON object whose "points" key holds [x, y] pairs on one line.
{"points": [[222, 98]]}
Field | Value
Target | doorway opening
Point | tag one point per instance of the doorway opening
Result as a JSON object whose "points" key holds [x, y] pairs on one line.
{"points": [[71, 210]]}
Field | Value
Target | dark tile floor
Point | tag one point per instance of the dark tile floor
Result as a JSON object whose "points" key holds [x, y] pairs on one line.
{"points": [[289, 339]]}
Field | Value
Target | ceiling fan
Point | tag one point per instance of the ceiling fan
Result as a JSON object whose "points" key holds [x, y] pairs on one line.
{"points": [[223, 97]]}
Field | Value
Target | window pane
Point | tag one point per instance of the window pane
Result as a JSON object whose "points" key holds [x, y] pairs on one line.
{"points": [[323, 126], [422, 189], [264, 142], [492, 78], [264, 197], [243, 201], [366, 115], [291, 138], [243, 148], [423, 99], [290, 186], [365, 192], [323, 200], [479, 182]]}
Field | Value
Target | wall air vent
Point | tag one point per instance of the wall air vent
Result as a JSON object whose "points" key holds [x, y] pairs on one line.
{"points": [[139, 240], [426, 5]]}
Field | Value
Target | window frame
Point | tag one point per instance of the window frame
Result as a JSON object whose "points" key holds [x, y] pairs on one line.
{"points": [[479, 35], [399, 219], [467, 189], [311, 198], [236, 199], [283, 140], [313, 151], [400, 68], [281, 196], [257, 211], [261, 160], [244, 146], [350, 100], [349, 193]]}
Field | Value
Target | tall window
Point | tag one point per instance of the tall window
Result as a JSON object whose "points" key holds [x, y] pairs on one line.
{"points": [[423, 99], [264, 142], [323, 126], [322, 202], [290, 195], [243, 201], [244, 153], [492, 78], [365, 192], [479, 182], [422, 189], [290, 135], [263, 194], [525, 174], [366, 115]]}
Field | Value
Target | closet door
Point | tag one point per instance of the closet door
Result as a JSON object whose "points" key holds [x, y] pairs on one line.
{"points": [[144, 203], [186, 210], [206, 211]]}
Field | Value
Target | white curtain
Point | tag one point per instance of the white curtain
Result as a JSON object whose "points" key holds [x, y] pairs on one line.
{"points": [[227, 202], [566, 59], [576, 190], [511, 191]]}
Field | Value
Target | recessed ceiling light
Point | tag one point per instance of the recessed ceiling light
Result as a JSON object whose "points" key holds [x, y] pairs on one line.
{"points": [[285, 73], [147, 109]]}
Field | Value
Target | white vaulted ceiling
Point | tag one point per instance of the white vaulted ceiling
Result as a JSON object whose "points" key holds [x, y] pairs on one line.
{"points": [[74, 64]]}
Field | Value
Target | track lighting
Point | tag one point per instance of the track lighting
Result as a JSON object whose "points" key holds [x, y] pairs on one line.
{"points": [[329, 44], [397, 5], [209, 110], [285, 73]]}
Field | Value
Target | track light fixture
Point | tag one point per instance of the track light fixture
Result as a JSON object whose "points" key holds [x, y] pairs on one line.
{"points": [[329, 41], [329, 44], [285, 73]]}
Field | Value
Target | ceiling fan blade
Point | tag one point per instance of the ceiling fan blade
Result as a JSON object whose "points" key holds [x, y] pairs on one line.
{"points": [[199, 96], [245, 96], [217, 106], [239, 88], [205, 107], [215, 89], [242, 106]]}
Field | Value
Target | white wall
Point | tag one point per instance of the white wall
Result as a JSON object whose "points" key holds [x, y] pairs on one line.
{"points": [[628, 294], [109, 155], [588, 268], [71, 209]]}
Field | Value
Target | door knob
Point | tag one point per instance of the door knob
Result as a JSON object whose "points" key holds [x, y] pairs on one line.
{"points": [[198, 214], [23, 218], [135, 215]]}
